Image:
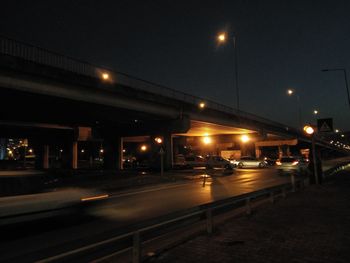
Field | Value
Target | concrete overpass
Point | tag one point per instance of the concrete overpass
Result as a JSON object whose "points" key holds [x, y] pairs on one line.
{"points": [[50, 98]]}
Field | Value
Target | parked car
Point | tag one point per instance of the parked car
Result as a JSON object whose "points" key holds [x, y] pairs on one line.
{"points": [[195, 161], [249, 162], [290, 164], [214, 161]]}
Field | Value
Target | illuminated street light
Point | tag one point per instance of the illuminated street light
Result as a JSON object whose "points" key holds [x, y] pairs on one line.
{"points": [[207, 140], [315, 112], [222, 39], [290, 92], [309, 130], [105, 76], [158, 140], [245, 138], [202, 105], [143, 148]]}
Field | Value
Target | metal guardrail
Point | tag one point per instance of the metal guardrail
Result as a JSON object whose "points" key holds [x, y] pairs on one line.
{"points": [[45, 57], [135, 239]]}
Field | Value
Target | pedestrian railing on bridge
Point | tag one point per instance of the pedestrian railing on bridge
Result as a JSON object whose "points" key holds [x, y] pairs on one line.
{"points": [[45, 57]]}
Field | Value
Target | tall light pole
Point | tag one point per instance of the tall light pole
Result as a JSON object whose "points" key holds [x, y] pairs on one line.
{"points": [[291, 92], [222, 38], [345, 78]]}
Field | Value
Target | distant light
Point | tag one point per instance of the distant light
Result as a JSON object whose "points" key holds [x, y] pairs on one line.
{"points": [[290, 92], [105, 76], [158, 140], [82, 150], [201, 105], [136, 121], [10, 152], [61, 150], [30, 150], [124, 150], [315, 112], [245, 138], [101, 150], [222, 37], [143, 148], [343, 135], [309, 130], [336, 130], [207, 140]]}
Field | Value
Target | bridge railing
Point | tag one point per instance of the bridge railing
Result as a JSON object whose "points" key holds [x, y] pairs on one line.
{"points": [[49, 58]]}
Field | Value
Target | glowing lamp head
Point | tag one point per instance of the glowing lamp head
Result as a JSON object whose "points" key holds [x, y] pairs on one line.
{"points": [[245, 138], [143, 148], [105, 76], [222, 37], [207, 140], [290, 92], [309, 130], [158, 140]]}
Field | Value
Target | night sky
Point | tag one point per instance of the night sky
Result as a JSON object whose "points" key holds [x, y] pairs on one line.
{"points": [[281, 44]]}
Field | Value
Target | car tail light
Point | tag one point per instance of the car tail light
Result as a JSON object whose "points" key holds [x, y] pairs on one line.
{"points": [[295, 163], [278, 163]]}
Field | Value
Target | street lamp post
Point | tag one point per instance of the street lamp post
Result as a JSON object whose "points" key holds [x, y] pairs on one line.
{"points": [[222, 39], [345, 78], [290, 92]]}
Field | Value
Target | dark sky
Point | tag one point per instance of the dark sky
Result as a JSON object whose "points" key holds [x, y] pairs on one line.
{"points": [[281, 44]]}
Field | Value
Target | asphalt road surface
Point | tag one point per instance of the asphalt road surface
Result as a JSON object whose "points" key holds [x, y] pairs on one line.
{"points": [[30, 242]]}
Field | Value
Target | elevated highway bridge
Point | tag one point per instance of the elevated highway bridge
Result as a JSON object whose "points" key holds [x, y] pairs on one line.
{"points": [[52, 99]]}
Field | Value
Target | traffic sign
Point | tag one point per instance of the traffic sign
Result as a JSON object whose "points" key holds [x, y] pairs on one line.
{"points": [[325, 125], [161, 151]]}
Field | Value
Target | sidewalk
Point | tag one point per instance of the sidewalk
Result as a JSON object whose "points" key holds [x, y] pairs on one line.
{"points": [[308, 226]]}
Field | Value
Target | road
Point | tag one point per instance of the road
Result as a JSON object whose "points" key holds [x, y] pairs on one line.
{"points": [[37, 240]]}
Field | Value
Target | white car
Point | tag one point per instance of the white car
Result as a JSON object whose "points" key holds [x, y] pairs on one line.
{"points": [[292, 165], [249, 162]]}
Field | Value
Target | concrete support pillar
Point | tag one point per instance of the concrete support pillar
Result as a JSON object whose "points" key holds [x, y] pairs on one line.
{"points": [[113, 152], [75, 155], [168, 148], [280, 152], [287, 150], [46, 155], [257, 152]]}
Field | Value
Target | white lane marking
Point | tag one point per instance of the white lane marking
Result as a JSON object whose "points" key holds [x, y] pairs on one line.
{"points": [[148, 190]]}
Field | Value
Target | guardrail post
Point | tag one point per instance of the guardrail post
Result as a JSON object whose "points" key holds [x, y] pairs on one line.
{"points": [[272, 198], [136, 247], [209, 215], [248, 206], [293, 182]]}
